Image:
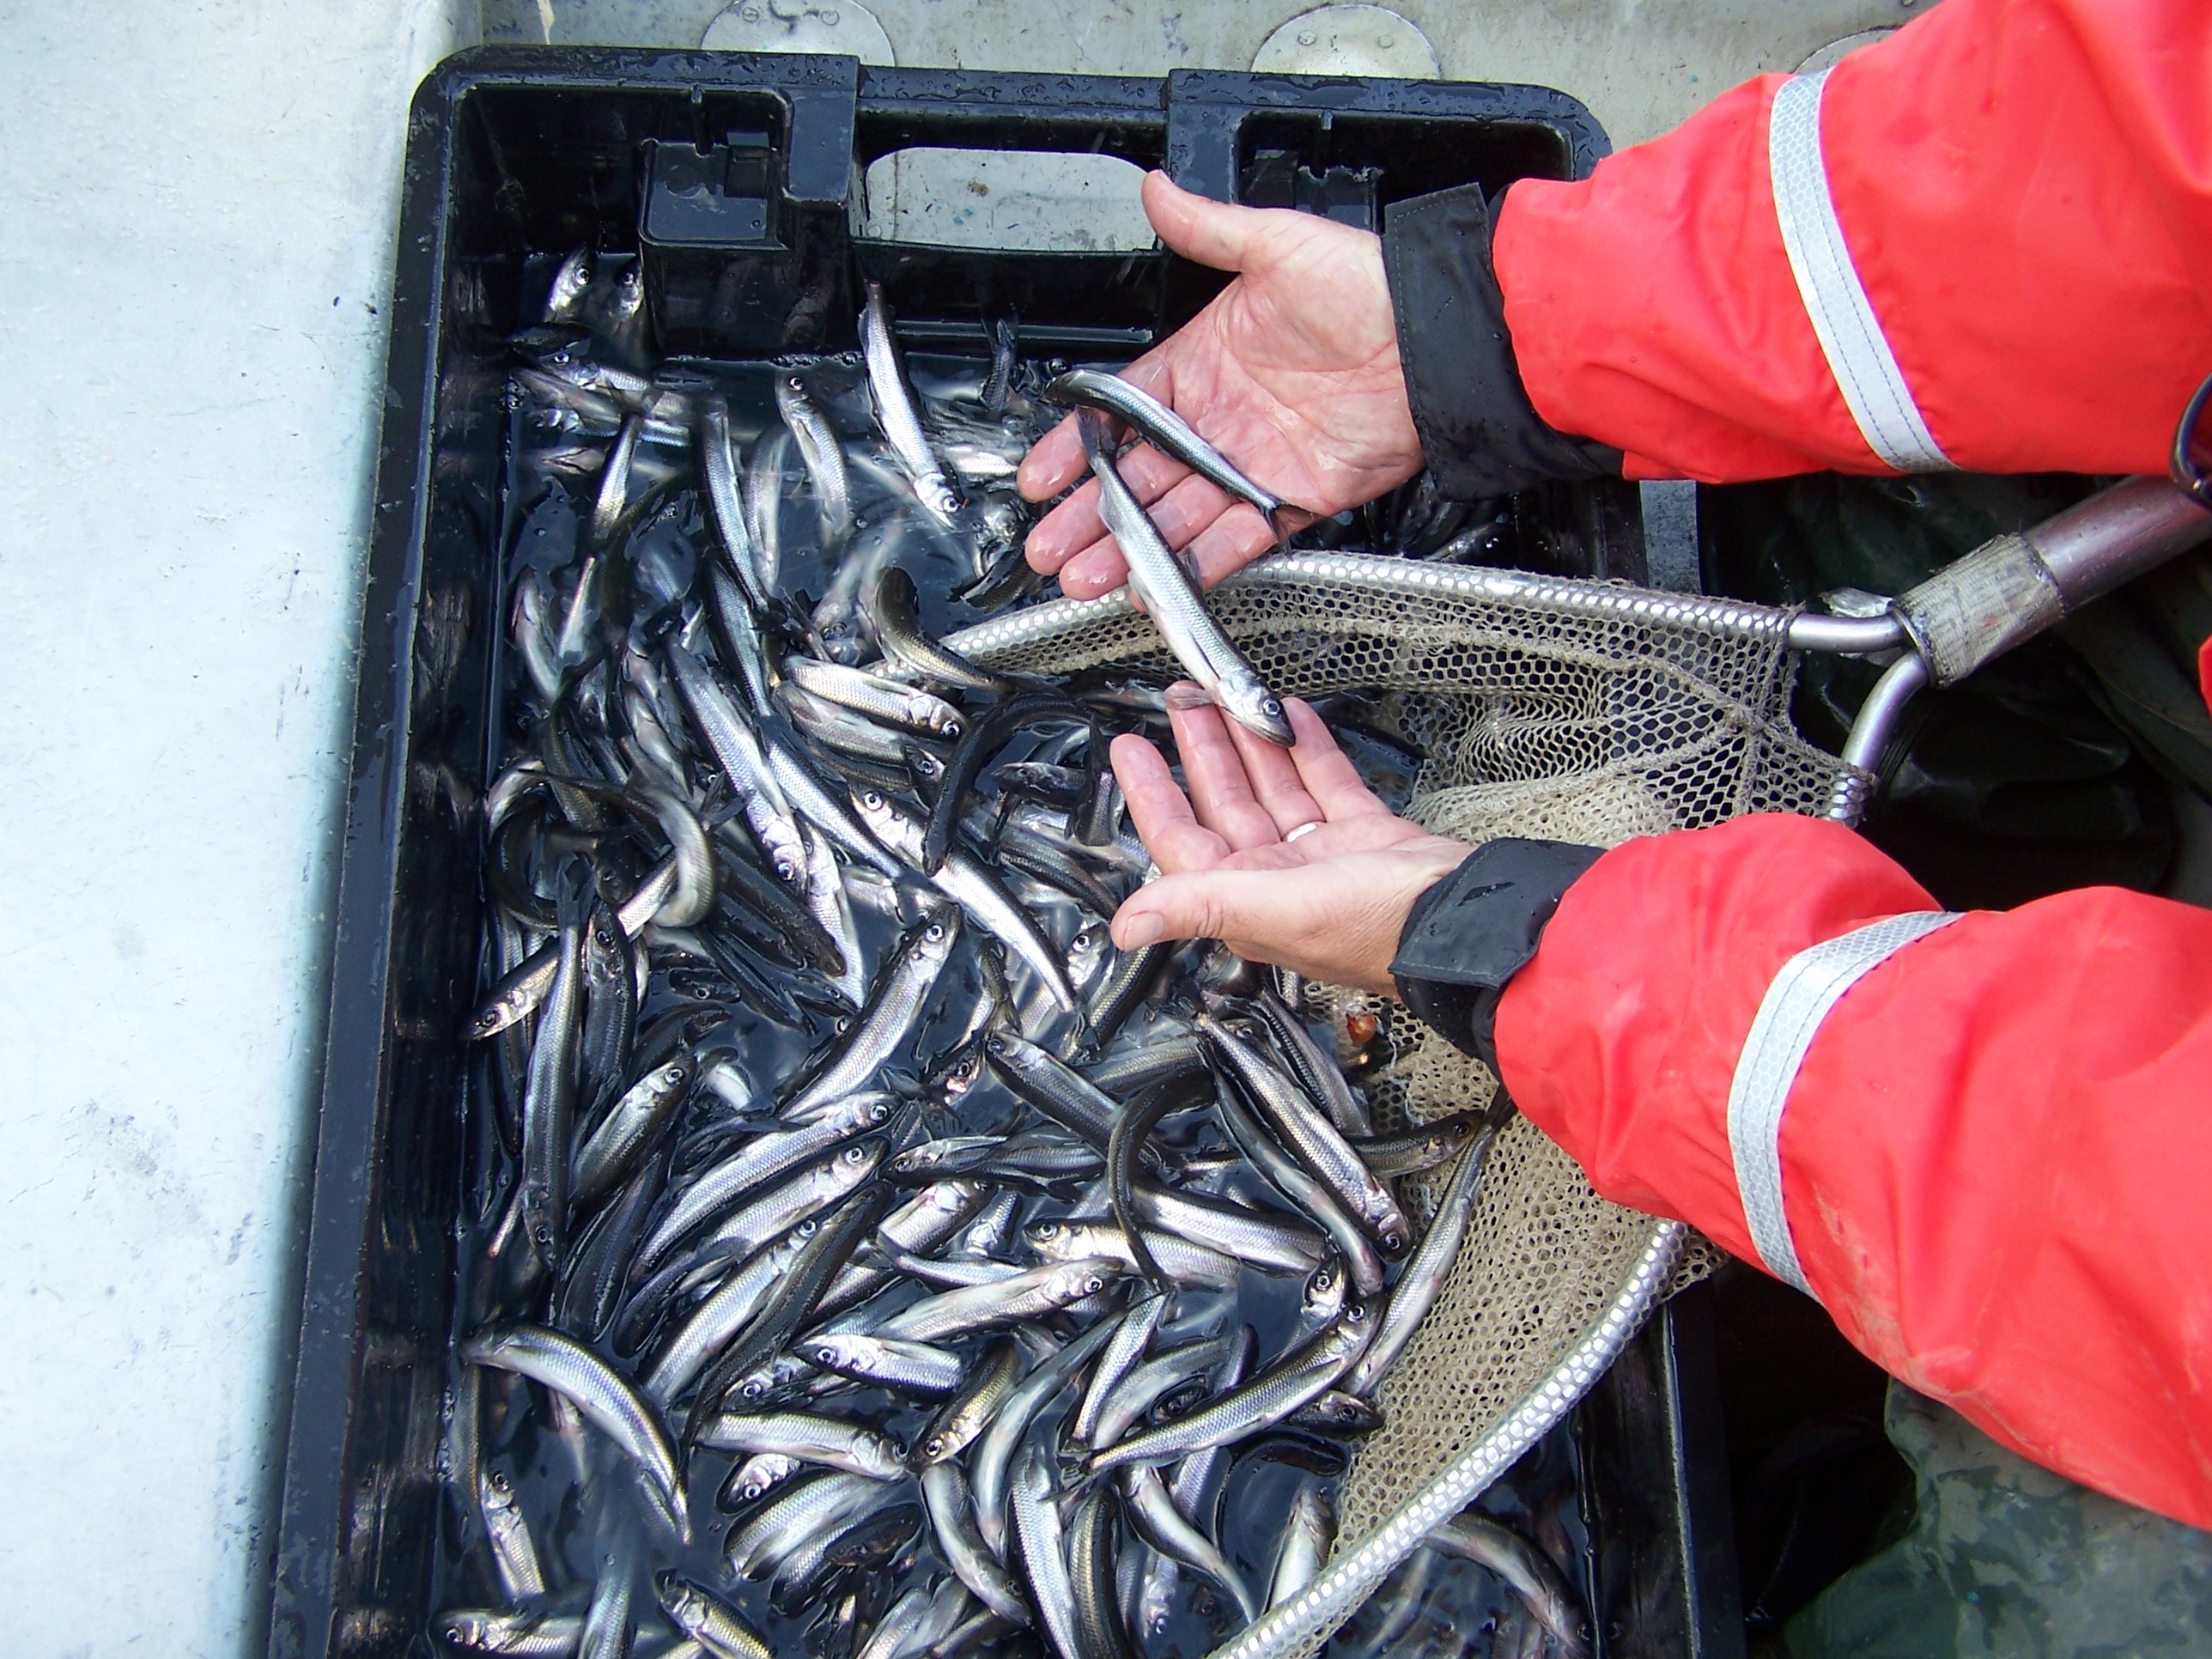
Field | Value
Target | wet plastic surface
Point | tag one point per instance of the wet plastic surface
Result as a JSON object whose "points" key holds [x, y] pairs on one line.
{"points": [[734, 176]]}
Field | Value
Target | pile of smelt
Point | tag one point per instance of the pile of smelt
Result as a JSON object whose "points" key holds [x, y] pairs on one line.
{"points": [[873, 1262]]}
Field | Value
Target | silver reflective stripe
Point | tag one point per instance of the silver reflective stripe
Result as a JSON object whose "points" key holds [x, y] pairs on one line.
{"points": [[1789, 1016], [1850, 335]]}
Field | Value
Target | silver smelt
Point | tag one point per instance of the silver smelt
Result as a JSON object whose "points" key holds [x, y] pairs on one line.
{"points": [[714, 1324], [757, 1160], [1266, 1401], [889, 1639], [1318, 1144], [717, 470], [1527, 1572], [1423, 1279], [879, 699], [607, 1628], [737, 746], [1307, 1536], [759, 1475], [834, 1444], [1289, 1178], [613, 499], [1133, 1395], [890, 1018], [924, 1221], [825, 459], [990, 1460], [1161, 584], [1132, 1334], [764, 502], [900, 414], [1163, 428], [1028, 1295], [627, 1127], [521, 991], [525, 1635], [944, 1497], [715, 1626], [801, 1511], [904, 1367], [514, 1551], [1043, 1553], [599, 1391], [1268, 1243], [571, 279], [966, 880], [778, 1210], [1167, 1530], [828, 903], [814, 799]]}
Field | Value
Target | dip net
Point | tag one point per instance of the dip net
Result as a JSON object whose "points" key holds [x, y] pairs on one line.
{"points": [[1541, 707]]}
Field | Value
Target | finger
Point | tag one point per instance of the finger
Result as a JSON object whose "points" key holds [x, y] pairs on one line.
{"points": [[1099, 568], [1230, 542], [1054, 461], [1329, 777], [1212, 232], [1220, 789], [1065, 532], [1075, 524], [1150, 473], [1276, 782], [1251, 906], [1163, 815], [1183, 513]]}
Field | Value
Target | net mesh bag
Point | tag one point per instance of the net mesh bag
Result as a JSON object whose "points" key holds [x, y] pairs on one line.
{"points": [[1567, 710]]}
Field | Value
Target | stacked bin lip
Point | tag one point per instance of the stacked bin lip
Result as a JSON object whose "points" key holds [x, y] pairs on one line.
{"points": [[519, 151]]}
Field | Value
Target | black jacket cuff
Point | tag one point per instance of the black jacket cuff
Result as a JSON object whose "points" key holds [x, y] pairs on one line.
{"points": [[1480, 432], [1471, 933]]}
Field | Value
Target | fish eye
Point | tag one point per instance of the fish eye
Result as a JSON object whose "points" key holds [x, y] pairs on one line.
{"points": [[1045, 1230], [1269, 706], [1393, 1242], [673, 1074], [871, 800], [952, 728], [1094, 1283], [879, 1112], [934, 932]]}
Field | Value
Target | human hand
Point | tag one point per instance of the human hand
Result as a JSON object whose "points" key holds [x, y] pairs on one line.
{"points": [[1291, 372], [1327, 902]]}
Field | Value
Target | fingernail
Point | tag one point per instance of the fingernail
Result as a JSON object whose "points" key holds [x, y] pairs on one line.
{"points": [[1141, 930]]}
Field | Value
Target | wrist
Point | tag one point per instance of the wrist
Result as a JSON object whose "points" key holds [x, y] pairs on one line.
{"points": [[1469, 933], [1477, 427]]}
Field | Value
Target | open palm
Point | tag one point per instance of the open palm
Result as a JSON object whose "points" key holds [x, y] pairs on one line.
{"points": [[1284, 853], [1291, 372]]}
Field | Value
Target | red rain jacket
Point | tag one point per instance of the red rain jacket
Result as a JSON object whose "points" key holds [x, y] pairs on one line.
{"points": [[1996, 1157]]}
